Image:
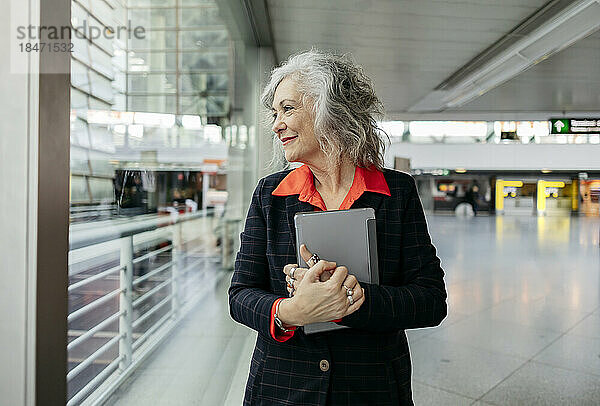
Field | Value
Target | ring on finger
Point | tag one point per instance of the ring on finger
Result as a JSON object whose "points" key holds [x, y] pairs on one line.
{"points": [[351, 300], [314, 259], [349, 292], [292, 271]]}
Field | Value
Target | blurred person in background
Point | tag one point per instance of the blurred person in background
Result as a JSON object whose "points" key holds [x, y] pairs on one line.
{"points": [[324, 113], [472, 196]]}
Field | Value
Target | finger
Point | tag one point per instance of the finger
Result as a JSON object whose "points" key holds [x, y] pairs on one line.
{"points": [[354, 307], [339, 275], [358, 292], [315, 272], [350, 282], [298, 274], [305, 253], [325, 276], [288, 268]]}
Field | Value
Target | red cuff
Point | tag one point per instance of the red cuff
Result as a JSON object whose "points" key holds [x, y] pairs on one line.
{"points": [[276, 333]]}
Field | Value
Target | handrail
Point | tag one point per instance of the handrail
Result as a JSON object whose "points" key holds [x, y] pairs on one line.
{"points": [[89, 360], [152, 273], [158, 316], [191, 266], [93, 278], [85, 391], [83, 235], [153, 253], [94, 330], [92, 305], [150, 312], [146, 295], [151, 330]]}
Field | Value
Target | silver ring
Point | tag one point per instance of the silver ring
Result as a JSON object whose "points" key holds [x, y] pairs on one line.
{"points": [[351, 300], [349, 292], [315, 258], [292, 271]]}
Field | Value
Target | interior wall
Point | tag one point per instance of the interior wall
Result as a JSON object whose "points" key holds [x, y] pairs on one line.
{"points": [[497, 156], [18, 147]]}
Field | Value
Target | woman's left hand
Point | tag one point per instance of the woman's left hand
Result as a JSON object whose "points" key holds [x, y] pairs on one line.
{"points": [[295, 274]]}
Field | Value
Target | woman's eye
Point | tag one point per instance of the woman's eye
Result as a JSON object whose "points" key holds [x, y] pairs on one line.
{"points": [[287, 108]]}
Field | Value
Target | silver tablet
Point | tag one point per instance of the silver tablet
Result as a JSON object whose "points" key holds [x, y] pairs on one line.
{"points": [[347, 237]]}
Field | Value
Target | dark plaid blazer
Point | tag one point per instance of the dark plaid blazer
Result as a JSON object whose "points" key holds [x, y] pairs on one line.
{"points": [[369, 363]]}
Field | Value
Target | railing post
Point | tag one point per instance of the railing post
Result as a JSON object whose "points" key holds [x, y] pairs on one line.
{"points": [[177, 254], [125, 302]]}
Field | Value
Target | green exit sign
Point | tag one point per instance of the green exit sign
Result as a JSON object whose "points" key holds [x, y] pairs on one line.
{"points": [[559, 126], [575, 126]]}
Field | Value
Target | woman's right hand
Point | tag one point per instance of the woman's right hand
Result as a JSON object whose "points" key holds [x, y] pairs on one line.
{"points": [[316, 301]]}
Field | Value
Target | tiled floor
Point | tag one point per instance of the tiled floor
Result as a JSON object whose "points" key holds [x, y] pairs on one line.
{"points": [[523, 328]]}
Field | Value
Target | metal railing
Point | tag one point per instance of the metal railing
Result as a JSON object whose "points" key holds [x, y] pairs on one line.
{"points": [[165, 309]]}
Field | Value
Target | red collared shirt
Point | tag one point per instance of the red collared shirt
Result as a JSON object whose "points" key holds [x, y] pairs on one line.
{"points": [[300, 182]]}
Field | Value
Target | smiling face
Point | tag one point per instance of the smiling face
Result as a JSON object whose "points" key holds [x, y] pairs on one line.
{"points": [[294, 124]]}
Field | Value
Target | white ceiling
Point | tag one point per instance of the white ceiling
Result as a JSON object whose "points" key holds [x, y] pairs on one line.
{"points": [[410, 47]]}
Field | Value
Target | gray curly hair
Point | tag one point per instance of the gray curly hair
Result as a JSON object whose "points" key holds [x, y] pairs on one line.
{"points": [[344, 105]]}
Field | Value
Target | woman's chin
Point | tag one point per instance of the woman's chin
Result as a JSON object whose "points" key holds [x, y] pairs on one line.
{"points": [[290, 157]]}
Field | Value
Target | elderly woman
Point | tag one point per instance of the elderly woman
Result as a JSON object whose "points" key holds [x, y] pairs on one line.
{"points": [[324, 110]]}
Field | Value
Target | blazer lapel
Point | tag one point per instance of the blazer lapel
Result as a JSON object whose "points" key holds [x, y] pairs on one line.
{"points": [[293, 206], [368, 199]]}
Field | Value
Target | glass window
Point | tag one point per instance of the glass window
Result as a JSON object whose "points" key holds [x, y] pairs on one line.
{"points": [[101, 138], [195, 61], [79, 100], [163, 104], [78, 189], [79, 133], [80, 49], [195, 3], [102, 190], [79, 76], [151, 3], [198, 17], [153, 83], [211, 105], [139, 135], [154, 17], [110, 15], [152, 61], [101, 87], [204, 39], [101, 61], [155, 40], [101, 41], [200, 82]]}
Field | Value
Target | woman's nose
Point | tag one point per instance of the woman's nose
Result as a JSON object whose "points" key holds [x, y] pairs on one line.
{"points": [[278, 125]]}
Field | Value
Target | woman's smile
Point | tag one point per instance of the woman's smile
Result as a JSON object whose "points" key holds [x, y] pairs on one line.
{"points": [[287, 139]]}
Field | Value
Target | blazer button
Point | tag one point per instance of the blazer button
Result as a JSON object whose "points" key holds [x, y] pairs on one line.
{"points": [[324, 365]]}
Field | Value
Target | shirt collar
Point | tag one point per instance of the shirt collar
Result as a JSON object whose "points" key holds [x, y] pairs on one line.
{"points": [[300, 182]]}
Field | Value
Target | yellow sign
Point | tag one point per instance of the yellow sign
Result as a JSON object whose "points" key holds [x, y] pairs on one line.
{"points": [[500, 184], [541, 193]]}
